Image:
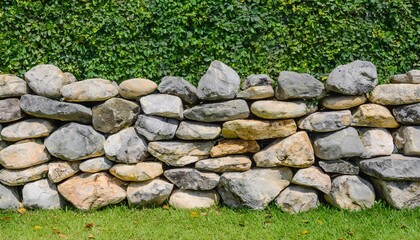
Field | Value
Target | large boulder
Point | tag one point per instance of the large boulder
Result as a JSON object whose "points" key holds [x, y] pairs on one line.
{"points": [[219, 83], [326, 121], [409, 114], [355, 78], [41, 194], [297, 199], [232, 163], [29, 128], [189, 130], [90, 90], [256, 80], [153, 192], [399, 194], [91, 191], [234, 146], [162, 105], [179, 87], [10, 110], [256, 93], [373, 115], [43, 107], [46, 80], [136, 87], [218, 112], [342, 102], [255, 188], [21, 176], [192, 179], [9, 198], [395, 94], [293, 85], [250, 129], [190, 199], [60, 170], [293, 151], [313, 177], [74, 142], [156, 128], [12, 86], [139, 172], [407, 138], [24, 154], [339, 166], [376, 141], [269, 109], [95, 165]]}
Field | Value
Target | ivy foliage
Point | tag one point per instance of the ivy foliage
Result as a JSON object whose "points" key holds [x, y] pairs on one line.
{"points": [[120, 39]]}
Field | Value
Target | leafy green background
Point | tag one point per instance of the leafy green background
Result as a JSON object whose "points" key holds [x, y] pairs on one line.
{"points": [[121, 39]]}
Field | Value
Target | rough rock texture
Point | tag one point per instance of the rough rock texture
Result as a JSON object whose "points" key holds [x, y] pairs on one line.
{"points": [[219, 83], [43, 107], [12, 86], [24, 154], [234, 146], [22, 176], [46, 80], [313, 177], [326, 121], [409, 114], [191, 179], [339, 166], [342, 102], [60, 170], [400, 78], [257, 92], [293, 151], [414, 76], [293, 85], [394, 167], [9, 198], [355, 78], [126, 146], [162, 105], [114, 115], [399, 194], [278, 109], [351, 192], [42, 194], [10, 110], [90, 90], [376, 141], [373, 115], [139, 172], [218, 112], [29, 128], [75, 141], [249, 129], [340, 144], [156, 128], [179, 153], [95, 165], [70, 78], [255, 188], [136, 87], [255, 80], [153, 192], [395, 94], [297, 199], [179, 87], [232, 163], [100, 189], [407, 138], [189, 130], [190, 199]]}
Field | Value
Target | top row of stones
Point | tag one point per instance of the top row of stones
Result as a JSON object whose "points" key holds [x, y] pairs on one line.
{"points": [[219, 83]]}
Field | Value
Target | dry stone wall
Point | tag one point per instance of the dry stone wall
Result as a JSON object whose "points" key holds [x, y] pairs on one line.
{"points": [[93, 143]]}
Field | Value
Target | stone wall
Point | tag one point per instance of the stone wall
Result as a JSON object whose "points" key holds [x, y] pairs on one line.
{"points": [[92, 143]]}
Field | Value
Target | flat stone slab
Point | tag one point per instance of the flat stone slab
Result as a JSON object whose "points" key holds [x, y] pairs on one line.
{"points": [[24, 154], [395, 94], [139, 172], [192, 179], [156, 128], [61, 170], [26, 129], [10, 110], [12, 86], [342, 102], [256, 93], [89, 90], [326, 121], [269, 109], [136, 87], [255, 80], [409, 114], [339, 166], [21, 176], [232, 163], [218, 112], [249, 129], [189, 130], [373, 115], [313, 177], [234, 146], [95, 165], [162, 105]]}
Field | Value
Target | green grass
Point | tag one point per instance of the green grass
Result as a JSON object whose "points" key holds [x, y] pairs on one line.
{"points": [[122, 222]]}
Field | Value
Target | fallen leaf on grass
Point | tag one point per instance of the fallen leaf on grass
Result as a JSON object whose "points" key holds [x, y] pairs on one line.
{"points": [[203, 214], [319, 221], [166, 207], [5, 219], [89, 226], [91, 236], [305, 221], [304, 232], [63, 236], [194, 214], [37, 227], [21, 210]]}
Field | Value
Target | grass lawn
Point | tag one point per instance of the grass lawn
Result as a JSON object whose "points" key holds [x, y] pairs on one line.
{"points": [[123, 222]]}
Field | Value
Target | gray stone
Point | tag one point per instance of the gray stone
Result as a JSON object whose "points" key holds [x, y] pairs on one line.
{"points": [[74, 142], [326, 121], [232, 163], [179, 87], [400, 78], [219, 83], [341, 144], [218, 112], [313, 177], [10, 110], [414, 76], [373, 115], [114, 115], [342, 102], [136, 87], [126, 146], [250, 129], [89, 90], [9, 198], [41, 194], [351, 192], [293, 85], [29, 128], [394, 167], [409, 114], [376, 141], [255, 80], [355, 78], [180, 153], [24, 154], [407, 138], [46, 80], [257, 92], [297, 199], [255, 188], [156, 128], [162, 105], [189, 130], [20, 177], [190, 199], [139, 172], [60, 170], [339, 166], [12, 86], [399, 194], [191, 179], [95, 165], [395, 94], [269, 109], [47, 108], [153, 192]]}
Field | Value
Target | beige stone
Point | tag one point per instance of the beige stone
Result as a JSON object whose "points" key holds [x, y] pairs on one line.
{"points": [[373, 115], [342, 102], [60, 170], [234, 146], [249, 129], [279, 109], [89, 90], [190, 199], [12, 86], [30, 128], [313, 177], [136, 87], [395, 94], [20, 177], [24, 154], [256, 92], [234, 163], [142, 171]]}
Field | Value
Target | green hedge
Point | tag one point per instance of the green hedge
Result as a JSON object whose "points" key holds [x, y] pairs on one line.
{"points": [[121, 39]]}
